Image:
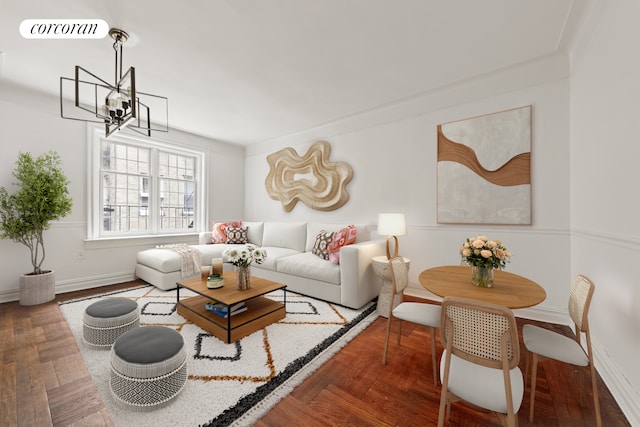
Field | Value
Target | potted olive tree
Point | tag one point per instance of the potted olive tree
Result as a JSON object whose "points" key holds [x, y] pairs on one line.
{"points": [[41, 196]]}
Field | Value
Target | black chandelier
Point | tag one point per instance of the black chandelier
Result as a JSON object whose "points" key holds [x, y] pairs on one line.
{"points": [[118, 106]]}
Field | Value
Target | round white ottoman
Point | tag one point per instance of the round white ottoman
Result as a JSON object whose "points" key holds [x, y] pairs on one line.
{"points": [[105, 320], [148, 367]]}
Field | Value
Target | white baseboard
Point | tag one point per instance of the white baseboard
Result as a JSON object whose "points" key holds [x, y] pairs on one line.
{"points": [[64, 286], [9, 295], [626, 397], [623, 393]]}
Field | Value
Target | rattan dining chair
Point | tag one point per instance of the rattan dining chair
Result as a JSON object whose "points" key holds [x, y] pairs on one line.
{"points": [[479, 365], [421, 313], [543, 344]]}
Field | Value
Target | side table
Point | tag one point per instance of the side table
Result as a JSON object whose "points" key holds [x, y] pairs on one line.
{"points": [[381, 269]]}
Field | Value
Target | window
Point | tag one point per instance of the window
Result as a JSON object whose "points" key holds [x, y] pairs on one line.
{"points": [[144, 187]]}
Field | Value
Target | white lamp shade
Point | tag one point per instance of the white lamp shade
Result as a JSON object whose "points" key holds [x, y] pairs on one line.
{"points": [[392, 224]]}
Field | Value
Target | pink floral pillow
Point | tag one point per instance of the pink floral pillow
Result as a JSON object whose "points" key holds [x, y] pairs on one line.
{"points": [[219, 230], [344, 237]]}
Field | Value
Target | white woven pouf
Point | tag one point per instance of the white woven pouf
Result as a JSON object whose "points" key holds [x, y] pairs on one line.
{"points": [[104, 321], [148, 367]]}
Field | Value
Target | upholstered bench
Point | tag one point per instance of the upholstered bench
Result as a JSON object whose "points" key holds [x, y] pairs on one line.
{"points": [[148, 367], [105, 320]]}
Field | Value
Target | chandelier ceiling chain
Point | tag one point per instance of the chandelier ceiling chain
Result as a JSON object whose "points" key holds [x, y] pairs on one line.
{"points": [[118, 101], [117, 46]]}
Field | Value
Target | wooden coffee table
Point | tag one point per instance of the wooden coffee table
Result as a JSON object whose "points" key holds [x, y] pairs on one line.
{"points": [[261, 311]]}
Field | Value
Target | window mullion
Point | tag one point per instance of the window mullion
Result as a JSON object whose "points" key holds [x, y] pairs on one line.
{"points": [[154, 194]]}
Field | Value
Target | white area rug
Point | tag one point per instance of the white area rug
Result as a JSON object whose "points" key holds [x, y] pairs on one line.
{"points": [[229, 384]]}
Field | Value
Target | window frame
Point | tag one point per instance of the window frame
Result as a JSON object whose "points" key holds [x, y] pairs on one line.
{"points": [[94, 188]]}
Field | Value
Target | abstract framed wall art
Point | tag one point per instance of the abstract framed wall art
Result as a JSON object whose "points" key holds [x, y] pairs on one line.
{"points": [[484, 169]]}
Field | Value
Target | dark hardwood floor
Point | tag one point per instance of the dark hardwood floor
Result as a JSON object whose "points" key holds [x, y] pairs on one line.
{"points": [[43, 381]]}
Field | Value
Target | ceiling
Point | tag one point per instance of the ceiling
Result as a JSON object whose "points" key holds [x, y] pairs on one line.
{"points": [[248, 71]]}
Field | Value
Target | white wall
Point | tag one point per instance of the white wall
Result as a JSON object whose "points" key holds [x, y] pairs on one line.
{"points": [[31, 122], [605, 92], [584, 156], [393, 154]]}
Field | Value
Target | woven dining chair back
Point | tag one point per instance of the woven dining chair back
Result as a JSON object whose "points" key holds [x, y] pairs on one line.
{"points": [[579, 301], [479, 332], [481, 346], [399, 275]]}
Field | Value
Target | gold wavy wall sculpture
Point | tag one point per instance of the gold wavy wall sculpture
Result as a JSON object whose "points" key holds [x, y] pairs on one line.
{"points": [[516, 171], [311, 179]]}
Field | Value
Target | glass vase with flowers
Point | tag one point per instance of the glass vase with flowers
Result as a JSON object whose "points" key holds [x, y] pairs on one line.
{"points": [[242, 258], [484, 256]]}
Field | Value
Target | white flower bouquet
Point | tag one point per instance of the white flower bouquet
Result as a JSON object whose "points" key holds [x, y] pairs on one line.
{"points": [[245, 255]]}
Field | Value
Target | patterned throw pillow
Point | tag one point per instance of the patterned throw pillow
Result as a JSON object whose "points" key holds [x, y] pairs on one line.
{"points": [[237, 235], [344, 237], [321, 245], [219, 233]]}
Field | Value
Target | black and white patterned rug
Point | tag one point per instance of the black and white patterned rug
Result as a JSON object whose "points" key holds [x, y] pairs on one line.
{"points": [[228, 384]]}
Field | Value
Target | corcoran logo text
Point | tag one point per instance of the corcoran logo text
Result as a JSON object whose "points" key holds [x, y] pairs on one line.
{"points": [[63, 28]]}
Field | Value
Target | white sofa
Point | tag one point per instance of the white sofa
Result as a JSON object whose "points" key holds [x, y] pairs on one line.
{"points": [[289, 260]]}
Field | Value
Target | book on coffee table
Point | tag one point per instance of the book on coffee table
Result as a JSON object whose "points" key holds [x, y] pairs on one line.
{"points": [[223, 310], [233, 313]]}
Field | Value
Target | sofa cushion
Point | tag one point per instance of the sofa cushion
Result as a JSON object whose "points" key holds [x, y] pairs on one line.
{"points": [[163, 260], [311, 267], [273, 254], [205, 238], [237, 235], [290, 235], [254, 232], [212, 251], [321, 245]]}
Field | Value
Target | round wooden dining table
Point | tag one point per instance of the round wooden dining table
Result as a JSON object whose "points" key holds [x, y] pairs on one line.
{"points": [[509, 289]]}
